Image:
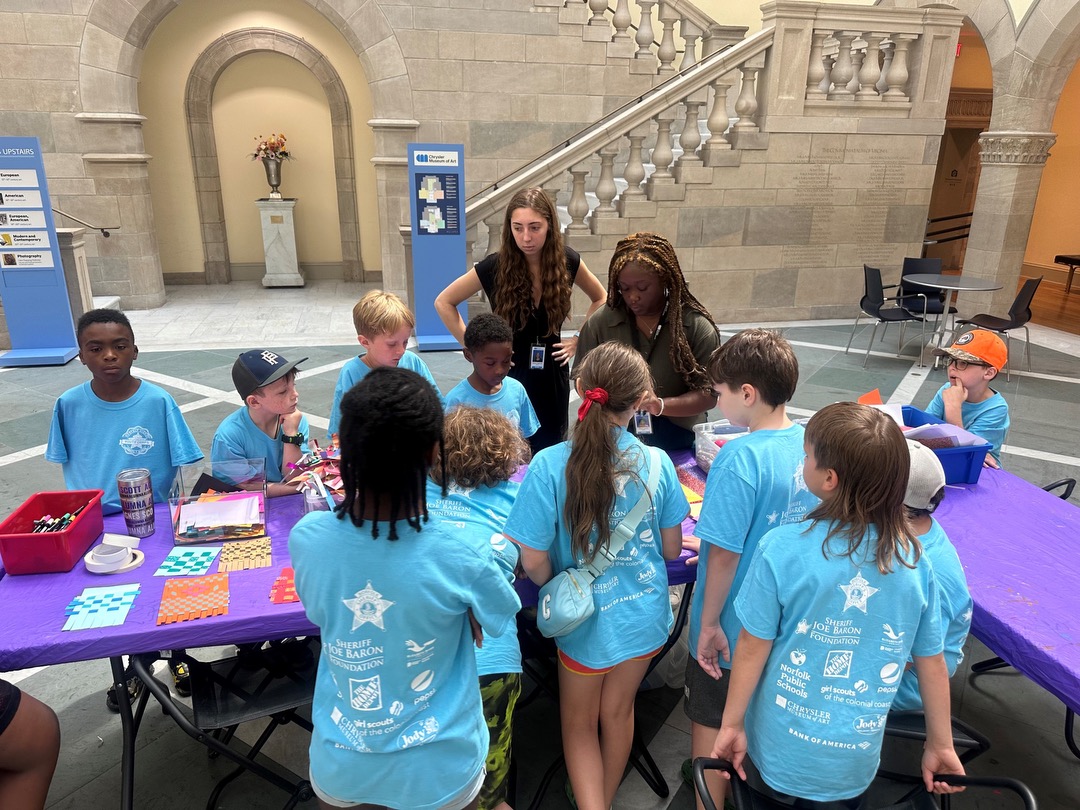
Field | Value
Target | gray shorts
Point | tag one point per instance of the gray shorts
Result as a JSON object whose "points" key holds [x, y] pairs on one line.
{"points": [[703, 697]]}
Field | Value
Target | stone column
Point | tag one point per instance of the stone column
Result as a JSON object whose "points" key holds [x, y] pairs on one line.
{"points": [[392, 177], [1012, 166], [76, 274]]}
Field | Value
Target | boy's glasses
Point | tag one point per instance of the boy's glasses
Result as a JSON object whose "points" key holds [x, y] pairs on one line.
{"points": [[961, 365]]}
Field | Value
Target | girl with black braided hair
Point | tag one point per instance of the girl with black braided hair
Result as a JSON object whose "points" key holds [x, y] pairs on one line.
{"points": [[650, 308], [397, 715]]}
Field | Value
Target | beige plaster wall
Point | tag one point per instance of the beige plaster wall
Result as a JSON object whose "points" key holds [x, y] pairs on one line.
{"points": [[971, 70], [1054, 226], [252, 96], [173, 48]]}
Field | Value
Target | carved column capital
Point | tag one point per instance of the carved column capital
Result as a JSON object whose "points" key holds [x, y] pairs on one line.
{"points": [[1016, 147]]}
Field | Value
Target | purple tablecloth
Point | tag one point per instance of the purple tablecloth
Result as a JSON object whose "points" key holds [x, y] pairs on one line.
{"points": [[1018, 546], [33, 605]]}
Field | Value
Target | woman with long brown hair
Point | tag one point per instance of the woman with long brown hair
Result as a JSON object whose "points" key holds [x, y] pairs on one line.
{"points": [[529, 282]]}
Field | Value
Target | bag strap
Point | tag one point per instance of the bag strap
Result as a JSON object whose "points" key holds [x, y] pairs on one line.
{"points": [[625, 531]]}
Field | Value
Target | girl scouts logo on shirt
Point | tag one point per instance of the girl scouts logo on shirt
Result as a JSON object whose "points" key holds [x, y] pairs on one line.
{"points": [[367, 605], [137, 441]]}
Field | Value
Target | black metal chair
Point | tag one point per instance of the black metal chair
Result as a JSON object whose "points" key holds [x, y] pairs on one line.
{"points": [[229, 692], [1066, 485], [873, 304], [746, 799], [1018, 317], [923, 300]]}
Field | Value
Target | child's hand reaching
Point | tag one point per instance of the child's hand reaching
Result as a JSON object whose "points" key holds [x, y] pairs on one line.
{"points": [[477, 630], [712, 644], [694, 544]]}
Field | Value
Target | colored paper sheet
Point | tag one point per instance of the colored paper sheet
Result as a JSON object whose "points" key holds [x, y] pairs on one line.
{"points": [[188, 562], [185, 600], [106, 606], [244, 555], [284, 588]]}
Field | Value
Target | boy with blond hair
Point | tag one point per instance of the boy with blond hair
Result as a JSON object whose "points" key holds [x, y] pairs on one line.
{"points": [[967, 400], [755, 484], [383, 326]]}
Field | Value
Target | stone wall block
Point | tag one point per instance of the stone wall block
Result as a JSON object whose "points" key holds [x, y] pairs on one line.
{"points": [[374, 22], [778, 225], [53, 29], [384, 60], [19, 94], [456, 44], [12, 29], [774, 288], [495, 21], [107, 91], [432, 74], [500, 47], [37, 62], [392, 97], [418, 44]]}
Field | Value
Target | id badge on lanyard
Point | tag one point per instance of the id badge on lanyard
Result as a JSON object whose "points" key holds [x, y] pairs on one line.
{"points": [[536, 357], [643, 423]]}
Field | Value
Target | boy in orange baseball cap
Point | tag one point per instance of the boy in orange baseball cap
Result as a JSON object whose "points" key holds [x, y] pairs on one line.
{"points": [[967, 400]]}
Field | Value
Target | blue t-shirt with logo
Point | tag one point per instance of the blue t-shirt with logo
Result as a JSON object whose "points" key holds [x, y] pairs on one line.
{"points": [[237, 437], [755, 484], [478, 516], [94, 440], [842, 634], [956, 606], [397, 712], [510, 400], [356, 369], [988, 419], [633, 614]]}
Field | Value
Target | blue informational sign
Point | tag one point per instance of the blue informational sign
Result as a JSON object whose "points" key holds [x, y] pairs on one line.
{"points": [[32, 284], [436, 185]]}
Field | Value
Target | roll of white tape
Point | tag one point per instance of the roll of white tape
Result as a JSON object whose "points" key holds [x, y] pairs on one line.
{"points": [[107, 559]]}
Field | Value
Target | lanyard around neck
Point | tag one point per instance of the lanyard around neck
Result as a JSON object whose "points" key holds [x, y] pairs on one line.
{"points": [[654, 338]]}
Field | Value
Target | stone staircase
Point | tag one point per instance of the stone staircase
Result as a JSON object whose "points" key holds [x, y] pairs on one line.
{"points": [[776, 164]]}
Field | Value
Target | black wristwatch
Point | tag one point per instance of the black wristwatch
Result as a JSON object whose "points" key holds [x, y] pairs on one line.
{"points": [[298, 439]]}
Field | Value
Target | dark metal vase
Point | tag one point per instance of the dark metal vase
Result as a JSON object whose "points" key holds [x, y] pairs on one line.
{"points": [[273, 176]]}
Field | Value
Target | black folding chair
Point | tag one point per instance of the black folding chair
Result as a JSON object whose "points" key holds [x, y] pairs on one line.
{"points": [[229, 692], [873, 304], [1017, 318], [745, 798]]}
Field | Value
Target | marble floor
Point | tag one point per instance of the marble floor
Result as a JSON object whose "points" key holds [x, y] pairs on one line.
{"points": [[188, 347]]}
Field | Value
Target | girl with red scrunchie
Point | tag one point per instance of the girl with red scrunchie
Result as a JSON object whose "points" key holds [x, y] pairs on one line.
{"points": [[573, 496]]}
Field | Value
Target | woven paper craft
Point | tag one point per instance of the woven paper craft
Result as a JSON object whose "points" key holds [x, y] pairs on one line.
{"points": [[188, 562], [284, 588], [244, 555], [187, 599], [100, 607]]}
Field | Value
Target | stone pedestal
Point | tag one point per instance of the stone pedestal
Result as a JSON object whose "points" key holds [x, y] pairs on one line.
{"points": [[279, 243]]}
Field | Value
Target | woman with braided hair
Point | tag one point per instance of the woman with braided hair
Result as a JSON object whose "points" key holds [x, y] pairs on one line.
{"points": [[529, 282], [650, 308]]}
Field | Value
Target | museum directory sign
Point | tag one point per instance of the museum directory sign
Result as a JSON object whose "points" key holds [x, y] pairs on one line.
{"points": [[32, 286], [436, 185]]}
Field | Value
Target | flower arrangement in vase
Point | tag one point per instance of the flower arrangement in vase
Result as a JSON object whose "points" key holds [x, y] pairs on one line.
{"points": [[271, 152]]}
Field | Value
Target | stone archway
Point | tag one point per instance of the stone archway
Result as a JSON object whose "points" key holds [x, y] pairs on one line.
{"points": [[198, 106]]}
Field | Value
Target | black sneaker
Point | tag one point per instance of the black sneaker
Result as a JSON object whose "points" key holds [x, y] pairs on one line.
{"points": [[134, 687], [181, 677]]}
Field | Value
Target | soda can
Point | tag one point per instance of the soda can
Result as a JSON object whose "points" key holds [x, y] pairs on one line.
{"points": [[136, 501]]}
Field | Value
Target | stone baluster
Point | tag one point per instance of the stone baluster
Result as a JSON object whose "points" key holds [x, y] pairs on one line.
{"points": [[598, 7], [826, 83], [857, 55], [470, 245], [666, 51], [661, 153], [690, 137], [690, 34], [578, 207], [842, 71], [815, 73], [718, 123], [634, 172], [870, 71], [553, 187], [621, 21], [887, 49], [644, 37], [605, 184], [494, 224], [746, 105], [897, 76]]}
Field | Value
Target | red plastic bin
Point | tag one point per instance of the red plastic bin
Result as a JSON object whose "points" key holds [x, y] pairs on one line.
{"points": [[24, 552]]}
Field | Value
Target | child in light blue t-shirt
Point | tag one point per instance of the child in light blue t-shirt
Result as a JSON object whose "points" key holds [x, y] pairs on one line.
{"points": [[489, 346], [831, 610], [397, 715], [483, 450], [755, 484], [383, 326], [925, 490], [573, 496]]}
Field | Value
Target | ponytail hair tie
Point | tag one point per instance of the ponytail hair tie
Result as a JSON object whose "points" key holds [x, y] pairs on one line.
{"points": [[591, 396]]}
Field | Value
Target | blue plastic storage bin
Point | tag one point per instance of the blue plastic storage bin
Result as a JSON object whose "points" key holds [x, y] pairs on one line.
{"points": [[963, 465]]}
